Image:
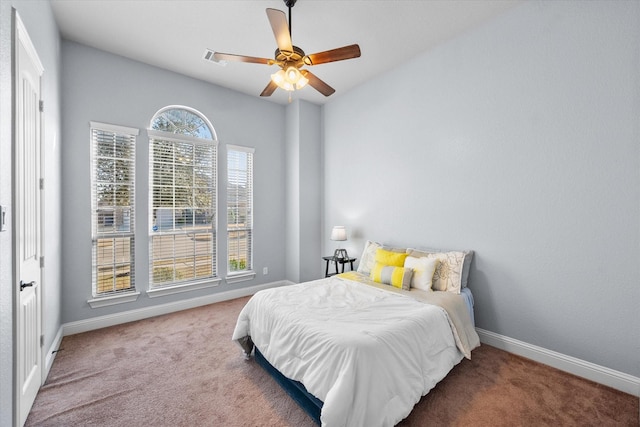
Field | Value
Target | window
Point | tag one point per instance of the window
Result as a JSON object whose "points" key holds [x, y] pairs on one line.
{"points": [[112, 209], [182, 198], [240, 210]]}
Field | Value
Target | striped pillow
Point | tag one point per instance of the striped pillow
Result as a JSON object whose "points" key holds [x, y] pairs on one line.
{"points": [[398, 277]]}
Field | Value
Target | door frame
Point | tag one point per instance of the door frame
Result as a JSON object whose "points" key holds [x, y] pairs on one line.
{"points": [[21, 37]]}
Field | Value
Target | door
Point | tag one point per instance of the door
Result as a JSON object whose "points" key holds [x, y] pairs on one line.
{"points": [[27, 220]]}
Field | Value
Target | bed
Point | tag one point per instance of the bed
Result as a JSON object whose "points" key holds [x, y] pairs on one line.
{"points": [[356, 351]]}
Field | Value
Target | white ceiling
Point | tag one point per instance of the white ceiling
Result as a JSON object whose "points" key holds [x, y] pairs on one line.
{"points": [[175, 34]]}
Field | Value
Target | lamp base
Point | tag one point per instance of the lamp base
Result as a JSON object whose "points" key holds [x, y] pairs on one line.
{"points": [[340, 254]]}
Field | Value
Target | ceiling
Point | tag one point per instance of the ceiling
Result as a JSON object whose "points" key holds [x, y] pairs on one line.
{"points": [[175, 34]]}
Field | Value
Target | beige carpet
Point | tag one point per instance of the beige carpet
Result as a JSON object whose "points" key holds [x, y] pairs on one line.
{"points": [[182, 370]]}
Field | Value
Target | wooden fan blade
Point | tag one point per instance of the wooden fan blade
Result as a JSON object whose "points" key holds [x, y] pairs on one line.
{"points": [[339, 54], [280, 27], [269, 89], [318, 84], [241, 58]]}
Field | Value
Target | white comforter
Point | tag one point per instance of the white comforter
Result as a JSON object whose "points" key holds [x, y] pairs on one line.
{"points": [[367, 353]]}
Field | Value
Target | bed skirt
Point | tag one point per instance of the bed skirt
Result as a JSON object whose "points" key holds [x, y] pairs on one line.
{"points": [[311, 404]]}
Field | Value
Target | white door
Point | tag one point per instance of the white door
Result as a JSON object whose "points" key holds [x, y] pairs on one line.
{"points": [[27, 218]]}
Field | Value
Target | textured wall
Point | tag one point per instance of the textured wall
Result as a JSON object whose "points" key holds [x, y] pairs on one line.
{"points": [[519, 140]]}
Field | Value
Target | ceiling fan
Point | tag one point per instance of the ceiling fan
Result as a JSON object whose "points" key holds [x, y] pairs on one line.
{"points": [[291, 59]]}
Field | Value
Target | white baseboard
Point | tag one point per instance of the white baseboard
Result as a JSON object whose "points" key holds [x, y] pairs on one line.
{"points": [[51, 354], [596, 373], [99, 322]]}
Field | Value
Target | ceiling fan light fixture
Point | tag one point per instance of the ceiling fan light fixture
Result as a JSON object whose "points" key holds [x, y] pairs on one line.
{"points": [[289, 80]]}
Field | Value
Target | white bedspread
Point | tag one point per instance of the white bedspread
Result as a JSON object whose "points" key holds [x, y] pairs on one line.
{"points": [[367, 353]]}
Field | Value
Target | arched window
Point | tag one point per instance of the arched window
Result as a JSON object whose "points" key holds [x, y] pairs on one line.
{"points": [[183, 121], [182, 198]]}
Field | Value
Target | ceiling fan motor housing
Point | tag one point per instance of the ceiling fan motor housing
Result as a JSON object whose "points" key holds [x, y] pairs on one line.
{"points": [[290, 58]]}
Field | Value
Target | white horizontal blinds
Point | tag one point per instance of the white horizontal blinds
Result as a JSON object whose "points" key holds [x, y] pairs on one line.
{"points": [[112, 208], [183, 179], [240, 208]]}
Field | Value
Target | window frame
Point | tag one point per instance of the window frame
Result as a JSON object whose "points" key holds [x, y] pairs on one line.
{"points": [[129, 139], [248, 273], [156, 136]]}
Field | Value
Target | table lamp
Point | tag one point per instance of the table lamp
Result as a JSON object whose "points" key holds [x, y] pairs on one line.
{"points": [[339, 233]]}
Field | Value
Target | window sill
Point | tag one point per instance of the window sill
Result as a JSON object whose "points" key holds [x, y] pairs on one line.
{"points": [[240, 277], [113, 300], [186, 287]]}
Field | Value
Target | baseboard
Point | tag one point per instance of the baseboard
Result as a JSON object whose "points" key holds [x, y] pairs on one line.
{"points": [[51, 354], [99, 322], [596, 373]]}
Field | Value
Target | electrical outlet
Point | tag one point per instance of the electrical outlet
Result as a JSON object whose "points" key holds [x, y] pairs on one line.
{"points": [[265, 271]]}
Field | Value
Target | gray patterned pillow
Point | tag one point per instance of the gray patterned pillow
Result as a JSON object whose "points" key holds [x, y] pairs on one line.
{"points": [[368, 258]]}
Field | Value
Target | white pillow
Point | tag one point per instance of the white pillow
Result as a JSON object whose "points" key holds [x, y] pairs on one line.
{"points": [[423, 269]]}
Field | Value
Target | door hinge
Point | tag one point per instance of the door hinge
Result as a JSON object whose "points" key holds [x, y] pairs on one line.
{"points": [[41, 106], [42, 183], [41, 262], [41, 340]]}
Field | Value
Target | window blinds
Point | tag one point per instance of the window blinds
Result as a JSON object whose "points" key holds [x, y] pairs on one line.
{"points": [[182, 208], [112, 207], [239, 209]]}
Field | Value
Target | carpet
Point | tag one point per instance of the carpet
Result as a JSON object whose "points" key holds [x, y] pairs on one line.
{"points": [[182, 369]]}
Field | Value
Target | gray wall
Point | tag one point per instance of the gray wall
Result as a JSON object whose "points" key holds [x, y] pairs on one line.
{"points": [[98, 86], [520, 140], [310, 179], [304, 191], [38, 19], [292, 189]]}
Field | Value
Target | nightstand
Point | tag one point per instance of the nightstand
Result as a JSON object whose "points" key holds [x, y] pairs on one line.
{"points": [[336, 261]]}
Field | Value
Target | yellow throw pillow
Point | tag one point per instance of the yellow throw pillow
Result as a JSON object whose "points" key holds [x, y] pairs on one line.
{"points": [[398, 277], [394, 259]]}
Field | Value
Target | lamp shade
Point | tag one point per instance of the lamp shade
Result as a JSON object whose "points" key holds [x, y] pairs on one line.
{"points": [[339, 233]]}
